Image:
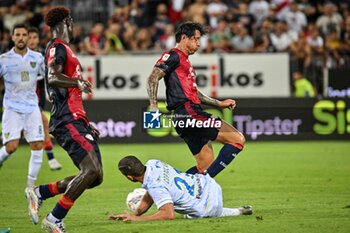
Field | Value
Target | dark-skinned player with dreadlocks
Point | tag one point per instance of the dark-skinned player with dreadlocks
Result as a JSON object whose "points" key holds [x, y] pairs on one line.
{"points": [[68, 124]]}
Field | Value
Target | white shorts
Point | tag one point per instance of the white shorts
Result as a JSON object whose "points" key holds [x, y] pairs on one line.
{"points": [[13, 123]]}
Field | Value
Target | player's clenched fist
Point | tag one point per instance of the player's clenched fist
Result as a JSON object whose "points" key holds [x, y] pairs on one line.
{"points": [[84, 86]]}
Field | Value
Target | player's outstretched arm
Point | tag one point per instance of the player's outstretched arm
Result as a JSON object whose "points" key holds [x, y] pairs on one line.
{"points": [[145, 204], [152, 86], [166, 212], [228, 103], [58, 79]]}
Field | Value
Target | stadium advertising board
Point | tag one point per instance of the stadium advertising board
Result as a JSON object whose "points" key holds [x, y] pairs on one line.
{"points": [[122, 121], [228, 75], [338, 83]]}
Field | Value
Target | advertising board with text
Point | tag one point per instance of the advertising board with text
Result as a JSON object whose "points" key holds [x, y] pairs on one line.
{"points": [[226, 75], [123, 121]]}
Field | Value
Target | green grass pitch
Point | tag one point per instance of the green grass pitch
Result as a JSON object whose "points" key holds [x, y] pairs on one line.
{"points": [[293, 187]]}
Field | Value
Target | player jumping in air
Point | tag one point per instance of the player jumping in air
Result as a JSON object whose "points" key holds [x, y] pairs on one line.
{"points": [[195, 196], [68, 124], [184, 98]]}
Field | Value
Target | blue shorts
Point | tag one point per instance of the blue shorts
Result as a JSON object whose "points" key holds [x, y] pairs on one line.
{"points": [[194, 136], [77, 139]]}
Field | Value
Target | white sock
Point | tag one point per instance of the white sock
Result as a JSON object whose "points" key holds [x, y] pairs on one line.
{"points": [[52, 218], [35, 162], [230, 212], [3, 154], [37, 192]]}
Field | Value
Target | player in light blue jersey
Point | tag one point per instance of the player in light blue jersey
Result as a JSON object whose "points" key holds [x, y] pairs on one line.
{"points": [[19, 69], [195, 196]]}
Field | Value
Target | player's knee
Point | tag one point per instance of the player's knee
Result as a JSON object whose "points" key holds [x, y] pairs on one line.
{"points": [[96, 174], [237, 139], [241, 139], [97, 182], [36, 145], [11, 148]]}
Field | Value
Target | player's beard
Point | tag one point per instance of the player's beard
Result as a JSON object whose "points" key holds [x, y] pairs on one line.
{"points": [[21, 45]]}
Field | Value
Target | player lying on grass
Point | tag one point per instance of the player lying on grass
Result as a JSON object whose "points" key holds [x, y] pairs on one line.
{"points": [[195, 196]]}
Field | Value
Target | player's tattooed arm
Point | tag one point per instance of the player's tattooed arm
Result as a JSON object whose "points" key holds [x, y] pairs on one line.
{"points": [[207, 100], [227, 103], [58, 79], [152, 86]]}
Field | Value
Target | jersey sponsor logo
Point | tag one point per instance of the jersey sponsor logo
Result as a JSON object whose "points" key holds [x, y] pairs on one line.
{"points": [[165, 57], [52, 53], [24, 76]]}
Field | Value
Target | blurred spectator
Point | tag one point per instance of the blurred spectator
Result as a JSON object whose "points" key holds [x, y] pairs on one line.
{"points": [[128, 36], [143, 40], [221, 36], [279, 38], [112, 34], [216, 9], [77, 42], [209, 48], [296, 19], [316, 43], [266, 26], [161, 20], [300, 52], [303, 87], [167, 40], [259, 9], [263, 43], [139, 13], [16, 15], [345, 37], [242, 42], [333, 46], [121, 14], [281, 8], [309, 8], [5, 41], [197, 10], [244, 18], [175, 10], [96, 43], [314, 39], [330, 20]]}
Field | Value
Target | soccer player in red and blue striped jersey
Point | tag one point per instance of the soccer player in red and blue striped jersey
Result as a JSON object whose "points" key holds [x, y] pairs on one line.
{"points": [[184, 99], [68, 124]]}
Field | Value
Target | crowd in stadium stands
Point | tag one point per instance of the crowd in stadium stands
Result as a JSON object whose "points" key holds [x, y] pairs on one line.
{"points": [[316, 33]]}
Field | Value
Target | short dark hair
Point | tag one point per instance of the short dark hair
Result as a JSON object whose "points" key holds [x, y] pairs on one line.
{"points": [[189, 28], [132, 166], [56, 15], [19, 25], [33, 29]]}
